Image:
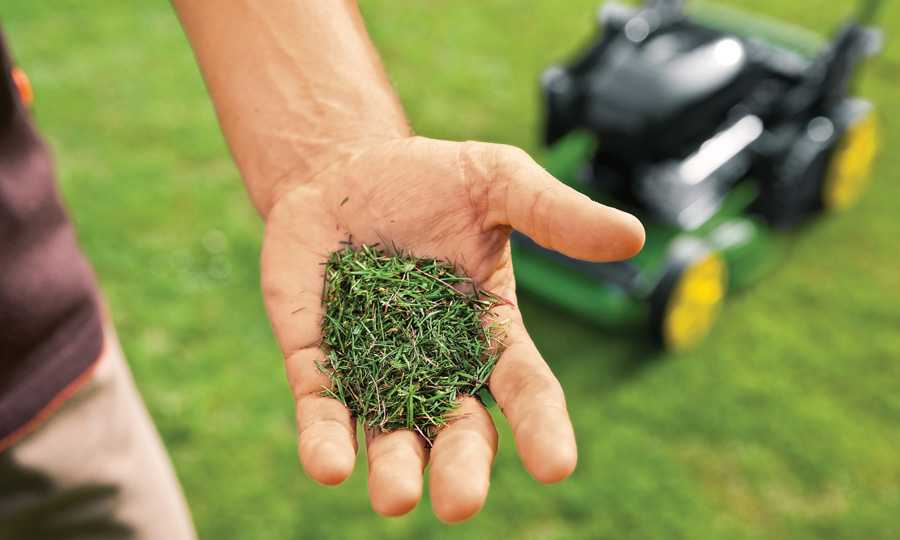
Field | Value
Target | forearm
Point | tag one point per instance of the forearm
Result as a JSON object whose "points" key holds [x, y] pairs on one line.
{"points": [[296, 85]]}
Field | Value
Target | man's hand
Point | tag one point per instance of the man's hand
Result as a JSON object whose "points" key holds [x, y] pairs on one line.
{"points": [[453, 201], [326, 154]]}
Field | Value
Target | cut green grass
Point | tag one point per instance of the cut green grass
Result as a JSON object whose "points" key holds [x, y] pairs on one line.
{"points": [[406, 338]]}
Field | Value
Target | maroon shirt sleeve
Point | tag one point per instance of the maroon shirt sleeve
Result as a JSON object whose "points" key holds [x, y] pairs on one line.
{"points": [[50, 323]]}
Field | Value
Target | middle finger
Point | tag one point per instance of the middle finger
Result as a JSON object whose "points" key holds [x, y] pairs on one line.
{"points": [[396, 462]]}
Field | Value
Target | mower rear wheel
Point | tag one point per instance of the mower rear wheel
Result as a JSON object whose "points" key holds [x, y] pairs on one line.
{"points": [[851, 164], [823, 172]]}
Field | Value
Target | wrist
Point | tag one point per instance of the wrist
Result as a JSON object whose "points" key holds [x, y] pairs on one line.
{"points": [[305, 164]]}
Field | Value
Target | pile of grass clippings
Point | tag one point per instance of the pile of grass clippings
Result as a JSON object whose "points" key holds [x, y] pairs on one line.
{"points": [[404, 338]]}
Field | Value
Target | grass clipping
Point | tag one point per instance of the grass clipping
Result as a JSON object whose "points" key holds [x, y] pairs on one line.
{"points": [[405, 338]]}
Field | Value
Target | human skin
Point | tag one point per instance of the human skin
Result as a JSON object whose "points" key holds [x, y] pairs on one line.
{"points": [[326, 153]]}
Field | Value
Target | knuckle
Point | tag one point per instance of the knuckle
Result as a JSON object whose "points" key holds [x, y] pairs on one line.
{"points": [[322, 415], [541, 390], [304, 375], [498, 161], [393, 452], [513, 155]]}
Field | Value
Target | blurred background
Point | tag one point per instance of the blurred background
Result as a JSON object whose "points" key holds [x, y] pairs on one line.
{"points": [[783, 424]]}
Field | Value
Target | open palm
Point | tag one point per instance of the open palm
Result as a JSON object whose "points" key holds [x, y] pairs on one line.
{"points": [[445, 200]]}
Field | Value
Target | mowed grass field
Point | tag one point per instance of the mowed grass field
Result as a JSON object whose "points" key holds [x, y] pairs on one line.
{"points": [[784, 424]]}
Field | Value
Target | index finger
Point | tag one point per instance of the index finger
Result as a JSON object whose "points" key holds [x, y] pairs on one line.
{"points": [[533, 402]]}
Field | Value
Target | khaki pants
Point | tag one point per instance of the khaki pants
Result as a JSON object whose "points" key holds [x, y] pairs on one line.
{"points": [[96, 469]]}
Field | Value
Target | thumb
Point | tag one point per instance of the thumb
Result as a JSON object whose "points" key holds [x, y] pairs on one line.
{"points": [[523, 195]]}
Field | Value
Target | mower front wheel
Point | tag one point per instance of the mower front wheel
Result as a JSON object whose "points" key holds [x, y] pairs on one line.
{"points": [[686, 301]]}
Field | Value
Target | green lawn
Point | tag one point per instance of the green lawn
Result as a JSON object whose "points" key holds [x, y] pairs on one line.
{"points": [[783, 425]]}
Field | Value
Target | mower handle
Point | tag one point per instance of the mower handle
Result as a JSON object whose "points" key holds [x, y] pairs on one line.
{"points": [[868, 10]]}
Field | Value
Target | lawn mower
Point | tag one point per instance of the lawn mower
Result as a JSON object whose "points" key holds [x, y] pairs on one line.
{"points": [[715, 128]]}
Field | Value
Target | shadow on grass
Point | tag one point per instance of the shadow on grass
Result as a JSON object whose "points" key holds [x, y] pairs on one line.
{"points": [[594, 357], [583, 353]]}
